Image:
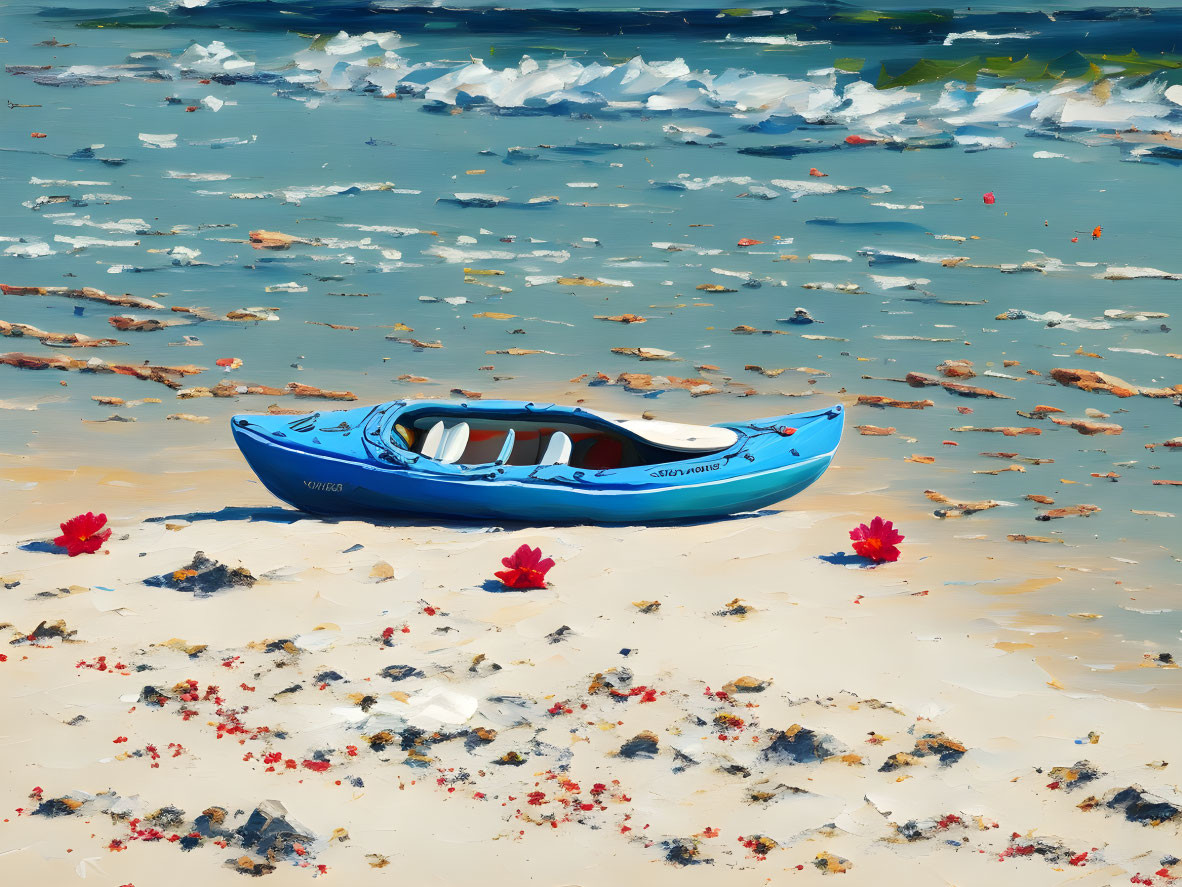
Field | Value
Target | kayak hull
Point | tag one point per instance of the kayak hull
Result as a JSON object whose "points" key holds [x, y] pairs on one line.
{"points": [[355, 477]]}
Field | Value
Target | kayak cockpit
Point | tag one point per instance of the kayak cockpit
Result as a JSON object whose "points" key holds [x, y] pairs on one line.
{"points": [[584, 440]]}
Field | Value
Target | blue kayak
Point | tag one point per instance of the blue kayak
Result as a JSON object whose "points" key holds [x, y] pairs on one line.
{"points": [[512, 460]]}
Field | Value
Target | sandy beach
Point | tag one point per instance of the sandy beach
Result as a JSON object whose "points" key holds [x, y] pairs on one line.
{"points": [[955, 224], [776, 716]]}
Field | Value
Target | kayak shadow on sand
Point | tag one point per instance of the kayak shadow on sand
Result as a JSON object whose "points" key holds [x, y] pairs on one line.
{"points": [[266, 513], [278, 515]]}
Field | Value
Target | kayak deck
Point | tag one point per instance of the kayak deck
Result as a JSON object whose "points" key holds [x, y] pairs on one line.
{"points": [[594, 443]]}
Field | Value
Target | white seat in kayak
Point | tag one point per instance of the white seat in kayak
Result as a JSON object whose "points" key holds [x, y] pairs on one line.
{"points": [[455, 441], [557, 450], [446, 445], [431, 442]]}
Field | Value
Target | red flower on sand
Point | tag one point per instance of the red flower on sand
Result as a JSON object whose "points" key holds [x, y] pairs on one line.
{"points": [[526, 568], [878, 542], [83, 534]]}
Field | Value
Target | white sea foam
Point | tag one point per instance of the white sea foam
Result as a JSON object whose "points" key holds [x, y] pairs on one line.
{"points": [[980, 36], [367, 62]]}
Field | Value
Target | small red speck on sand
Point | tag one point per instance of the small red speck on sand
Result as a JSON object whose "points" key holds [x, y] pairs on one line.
{"points": [[119, 739], [317, 766], [406, 629], [387, 632], [710, 832], [323, 869], [430, 611]]}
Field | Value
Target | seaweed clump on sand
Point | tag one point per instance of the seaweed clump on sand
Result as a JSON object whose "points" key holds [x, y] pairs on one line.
{"points": [[800, 745], [1139, 806], [203, 575], [947, 750]]}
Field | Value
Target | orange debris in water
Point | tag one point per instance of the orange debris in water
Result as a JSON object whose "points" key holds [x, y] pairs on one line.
{"points": [[813, 171], [38, 135], [747, 241], [1096, 232]]}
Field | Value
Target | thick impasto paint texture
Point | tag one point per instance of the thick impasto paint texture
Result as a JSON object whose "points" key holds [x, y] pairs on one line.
{"points": [[958, 224], [83, 534], [525, 568]]}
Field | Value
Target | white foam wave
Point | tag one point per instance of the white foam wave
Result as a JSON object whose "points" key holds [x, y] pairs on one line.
{"points": [[980, 36], [367, 63]]}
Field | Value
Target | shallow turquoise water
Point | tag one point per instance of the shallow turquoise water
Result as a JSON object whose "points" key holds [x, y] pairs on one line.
{"points": [[283, 135]]}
